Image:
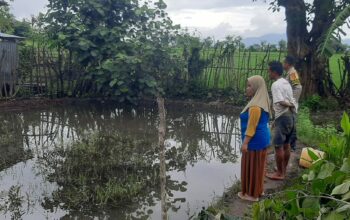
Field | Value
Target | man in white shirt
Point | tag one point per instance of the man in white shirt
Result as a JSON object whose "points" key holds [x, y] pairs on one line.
{"points": [[284, 124]]}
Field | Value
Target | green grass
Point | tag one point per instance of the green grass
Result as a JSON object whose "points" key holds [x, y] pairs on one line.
{"points": [[235, 69], [311, 134], [232, 70]]}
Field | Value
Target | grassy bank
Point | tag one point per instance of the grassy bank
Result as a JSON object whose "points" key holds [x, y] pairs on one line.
{"points": [[322, 192], [311, 134]]}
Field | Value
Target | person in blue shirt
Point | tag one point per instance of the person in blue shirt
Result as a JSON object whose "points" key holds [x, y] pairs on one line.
{"points": [[256, 139]]}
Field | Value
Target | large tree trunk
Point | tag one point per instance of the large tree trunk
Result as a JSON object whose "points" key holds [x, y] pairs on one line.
{"points": [[303, 44], [297, 33], [313, 72]]}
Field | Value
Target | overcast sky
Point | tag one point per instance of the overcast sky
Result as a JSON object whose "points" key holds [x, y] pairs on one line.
{"points": [[217, 18]]}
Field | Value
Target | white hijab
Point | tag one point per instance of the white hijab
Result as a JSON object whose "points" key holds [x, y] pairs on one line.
{"points": [[261, 96]]}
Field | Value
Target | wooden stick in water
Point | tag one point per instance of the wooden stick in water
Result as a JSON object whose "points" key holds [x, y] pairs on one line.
{"points": [[161, 136]]}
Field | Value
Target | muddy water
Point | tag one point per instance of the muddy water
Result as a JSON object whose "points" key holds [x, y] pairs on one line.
{"points": [[207, 158]]}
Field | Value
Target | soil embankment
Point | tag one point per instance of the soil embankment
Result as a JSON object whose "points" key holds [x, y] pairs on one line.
{"points": [[41, 102]]}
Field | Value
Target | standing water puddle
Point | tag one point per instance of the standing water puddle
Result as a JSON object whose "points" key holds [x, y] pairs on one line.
{"points": [[202, 159]]}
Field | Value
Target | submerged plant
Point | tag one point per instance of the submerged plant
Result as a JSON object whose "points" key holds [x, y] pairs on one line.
{"points": [[105, 171], [12, 203]]}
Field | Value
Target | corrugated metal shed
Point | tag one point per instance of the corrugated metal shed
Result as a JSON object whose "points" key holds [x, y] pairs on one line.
{"points": [[9, 36], [8, 63]]}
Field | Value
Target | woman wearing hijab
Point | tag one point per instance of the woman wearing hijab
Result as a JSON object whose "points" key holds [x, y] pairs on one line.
{"points": [[256, 138]]}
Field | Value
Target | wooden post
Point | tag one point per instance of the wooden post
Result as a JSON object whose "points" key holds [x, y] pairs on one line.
{"points": [[44, 67], [161, 136]]}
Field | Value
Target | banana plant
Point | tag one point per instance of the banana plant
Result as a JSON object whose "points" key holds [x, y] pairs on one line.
{"points": [[334, 33]]}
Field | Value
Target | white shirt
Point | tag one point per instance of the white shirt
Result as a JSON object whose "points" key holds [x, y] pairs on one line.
{"points": [[281, 91]]}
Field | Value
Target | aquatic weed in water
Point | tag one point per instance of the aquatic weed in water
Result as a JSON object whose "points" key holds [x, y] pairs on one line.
{"points": [[12, 203], [103, 170]]}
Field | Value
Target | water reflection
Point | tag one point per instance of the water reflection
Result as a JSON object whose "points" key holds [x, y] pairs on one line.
{"points": [[11, 135], [200, 145]]}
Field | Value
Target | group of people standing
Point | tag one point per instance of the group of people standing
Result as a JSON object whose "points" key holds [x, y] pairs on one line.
{"points": [[256, 134]]}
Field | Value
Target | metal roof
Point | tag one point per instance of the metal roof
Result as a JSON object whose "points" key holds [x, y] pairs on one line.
{"points": [[9, 36]]}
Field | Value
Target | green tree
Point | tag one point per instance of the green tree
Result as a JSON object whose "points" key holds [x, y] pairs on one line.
{"points": [[22, 28], [208, 42], [192, 47], [3, 3], [273, 47], [282, 45], [242, 46], [123, 45], [263, 45], [8, 23], [6, 18], [255, 48], [307, 24]]}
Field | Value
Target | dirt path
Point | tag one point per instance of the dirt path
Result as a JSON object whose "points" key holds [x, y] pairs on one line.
{"points": [[238, 207]]}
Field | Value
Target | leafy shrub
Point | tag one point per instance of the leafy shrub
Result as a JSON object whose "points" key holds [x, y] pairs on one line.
{"points": [[316, 102], [123, 46], [322, 192], [312, 134], [312, 102], [338, 146]]}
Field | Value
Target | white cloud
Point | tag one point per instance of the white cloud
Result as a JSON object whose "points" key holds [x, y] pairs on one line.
{"points": [[237, 17], [247, 21], [264, 22], [218, 32], [217, 18], [26, 8], [174, 5]]}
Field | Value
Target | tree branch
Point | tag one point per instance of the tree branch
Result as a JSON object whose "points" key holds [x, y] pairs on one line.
{"points": [[3, 3]]}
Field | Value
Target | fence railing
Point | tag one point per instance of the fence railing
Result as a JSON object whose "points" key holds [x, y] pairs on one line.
{"points": [[231, 68], [51, 72], [48, 71]]}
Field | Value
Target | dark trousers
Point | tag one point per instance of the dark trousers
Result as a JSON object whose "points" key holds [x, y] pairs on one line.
{"points": [[294, 138]]}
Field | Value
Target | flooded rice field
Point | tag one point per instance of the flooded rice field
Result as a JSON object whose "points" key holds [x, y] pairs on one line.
{"points": [[100, 161]]}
